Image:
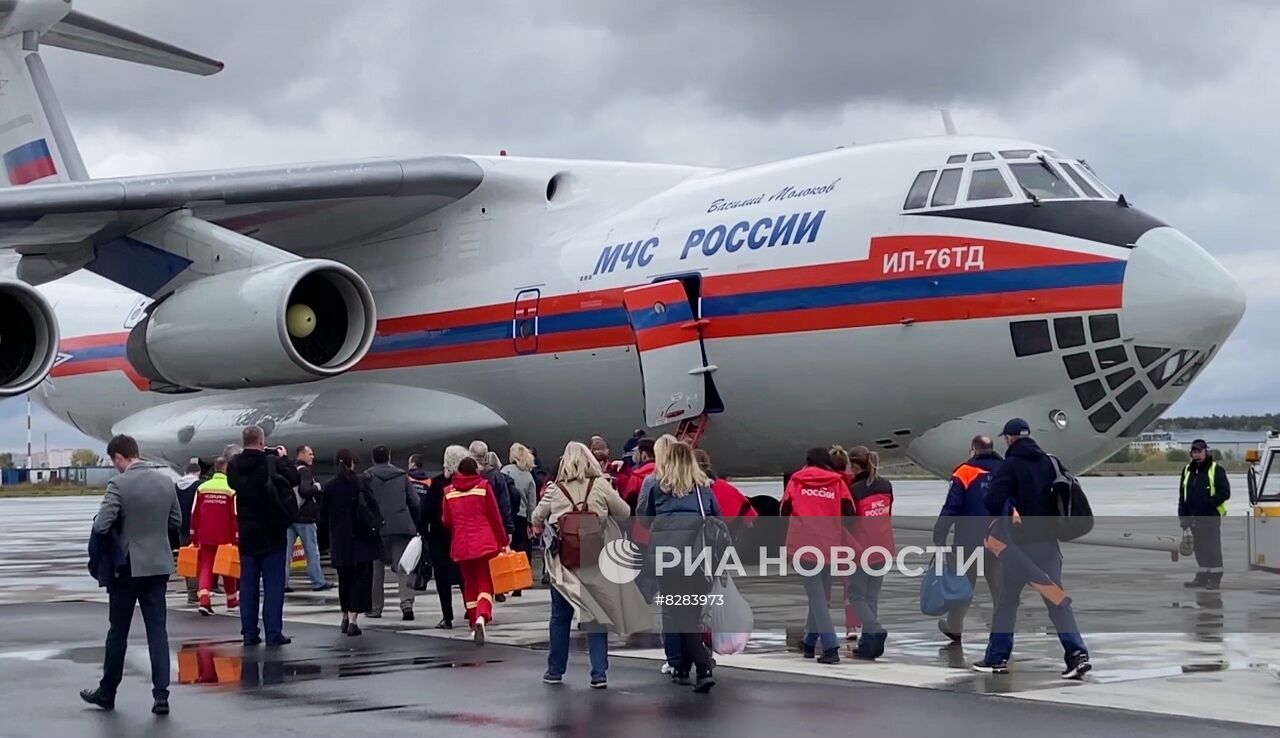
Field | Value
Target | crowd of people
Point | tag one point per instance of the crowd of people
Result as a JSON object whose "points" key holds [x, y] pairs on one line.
{"points": [[260, 500]]}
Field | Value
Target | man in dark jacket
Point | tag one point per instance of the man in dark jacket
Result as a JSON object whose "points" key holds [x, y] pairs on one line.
{"points": [[1022, 488], [187, 485], [966, 509], [479, 451], [1202, 501], [307, 496], [265, 508], [398, 501]]}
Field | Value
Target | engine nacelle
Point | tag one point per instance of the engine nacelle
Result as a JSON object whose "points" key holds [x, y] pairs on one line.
{"points": [[28, 338], [284, 323]]}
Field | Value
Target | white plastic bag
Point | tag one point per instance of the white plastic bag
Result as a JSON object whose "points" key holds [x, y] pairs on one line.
{"points": [[412, 555], [730, 618]]}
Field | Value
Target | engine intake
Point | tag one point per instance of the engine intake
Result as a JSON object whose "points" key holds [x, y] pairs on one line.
{"points": [[283, 323], [28, 338]]}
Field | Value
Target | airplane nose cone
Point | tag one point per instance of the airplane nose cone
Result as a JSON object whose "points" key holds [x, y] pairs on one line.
{"points": [[1176, 294]]}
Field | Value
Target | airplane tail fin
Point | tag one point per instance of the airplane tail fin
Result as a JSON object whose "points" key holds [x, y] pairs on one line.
{"points": [[36, 144]]}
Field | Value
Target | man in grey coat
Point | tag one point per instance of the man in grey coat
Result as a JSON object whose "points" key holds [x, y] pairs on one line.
{"points": [[398, 501], [141, 503]]}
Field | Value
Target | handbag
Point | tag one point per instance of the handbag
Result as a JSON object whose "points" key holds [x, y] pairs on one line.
{"points": [[730, 618], [715, 532], [422, 575], [941, 593], [412, 555]]}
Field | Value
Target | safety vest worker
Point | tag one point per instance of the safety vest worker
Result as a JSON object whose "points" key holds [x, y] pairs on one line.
{"points": [[1202, 503]]}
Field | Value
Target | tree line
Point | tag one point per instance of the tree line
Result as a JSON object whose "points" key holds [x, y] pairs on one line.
{"points": [[1219, 422]]}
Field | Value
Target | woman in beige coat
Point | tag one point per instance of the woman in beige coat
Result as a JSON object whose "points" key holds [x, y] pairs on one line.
{"points": [[579, 479]]}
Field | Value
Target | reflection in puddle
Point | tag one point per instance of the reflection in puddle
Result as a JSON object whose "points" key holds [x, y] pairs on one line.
{"points": [[228, 664]]}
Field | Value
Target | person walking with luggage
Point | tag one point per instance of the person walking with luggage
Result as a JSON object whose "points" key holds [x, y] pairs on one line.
{"points": [[186, 486], [678, 499], [439, 539], [355, 544], [579, 490], [213, 524], [141, 509], [471, 513], [817, 501], [874, 544], [306, 528], [965, 510], [524, 496], [1023, 499], [265, 507], [1202, 503], [398, 500]]}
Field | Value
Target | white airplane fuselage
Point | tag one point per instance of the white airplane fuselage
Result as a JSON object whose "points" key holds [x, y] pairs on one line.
{"points": [[832, 313]]}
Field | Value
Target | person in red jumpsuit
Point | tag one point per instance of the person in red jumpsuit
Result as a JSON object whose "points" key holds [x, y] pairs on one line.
{"points": [[213, 524], [471, 512]]}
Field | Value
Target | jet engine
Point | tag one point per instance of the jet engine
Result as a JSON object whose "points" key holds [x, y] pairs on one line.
{"points": [[28, 337], [283, 323]]}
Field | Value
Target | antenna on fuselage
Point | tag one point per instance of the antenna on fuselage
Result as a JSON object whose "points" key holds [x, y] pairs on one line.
{"points": [[947, 124]]}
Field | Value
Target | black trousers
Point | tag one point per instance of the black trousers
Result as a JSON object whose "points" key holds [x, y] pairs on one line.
{"points": [[447, 576], [1207, 533], [148, 594], [684, 622], [355, 588]]}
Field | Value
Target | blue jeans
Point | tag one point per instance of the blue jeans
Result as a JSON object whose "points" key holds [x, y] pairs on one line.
{"points": [[311, 544], [672, 648], [558, 655], [269, 569], [1048, 558], [864, 595], [818, 625]]}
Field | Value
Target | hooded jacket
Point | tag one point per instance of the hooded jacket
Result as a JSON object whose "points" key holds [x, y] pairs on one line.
{"points": [[873, 527], [966, 503], [260, 513], [471, 513], [816, 500], [396, 498], [634, 483], [1024, 482]]}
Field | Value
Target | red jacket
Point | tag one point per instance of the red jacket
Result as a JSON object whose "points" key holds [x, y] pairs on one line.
{"points": [[634, 481], [731, 500], [213, 516], [874, 526], [817, 500], [471, 511]]}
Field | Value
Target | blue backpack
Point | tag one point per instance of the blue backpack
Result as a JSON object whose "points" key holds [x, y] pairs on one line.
{"points": [[940, 593]]}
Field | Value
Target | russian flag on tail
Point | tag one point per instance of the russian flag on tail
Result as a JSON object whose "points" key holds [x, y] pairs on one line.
{"points": [[29, 162]]}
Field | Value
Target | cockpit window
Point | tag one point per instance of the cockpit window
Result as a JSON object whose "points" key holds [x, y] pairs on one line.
{"points": [[1080, 181], [1042, 182], [987, 184], [948, 186], [1017, 153], [957, 158], [1093, 179], [918, 196], [983, 156]]}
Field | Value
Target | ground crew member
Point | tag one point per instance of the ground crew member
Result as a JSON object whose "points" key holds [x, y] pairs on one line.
{"points": [[1202, 501], [966, 509], [213, 524]]}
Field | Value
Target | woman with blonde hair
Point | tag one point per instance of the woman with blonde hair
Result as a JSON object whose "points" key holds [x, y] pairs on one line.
{"points": [[524, 496], [580, 486], [679, 499], [873, 500]]}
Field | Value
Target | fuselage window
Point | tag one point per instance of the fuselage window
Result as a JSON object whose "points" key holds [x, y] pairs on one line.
{"points": [[1042, 181], [1080, 181], [948, 186], [918, 196], [983, 156], [956, 158], [1030, 337], [987, 184]]}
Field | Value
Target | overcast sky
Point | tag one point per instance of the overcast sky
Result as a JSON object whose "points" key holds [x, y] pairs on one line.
{"points": [[1174, 102]]}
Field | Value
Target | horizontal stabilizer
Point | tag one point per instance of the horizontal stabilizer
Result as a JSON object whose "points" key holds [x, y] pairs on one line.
{"points": [[80, 32]]}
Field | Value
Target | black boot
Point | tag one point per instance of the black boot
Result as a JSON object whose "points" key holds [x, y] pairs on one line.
{"points": [[1200, 582], [96, 698], [1214, 581]]}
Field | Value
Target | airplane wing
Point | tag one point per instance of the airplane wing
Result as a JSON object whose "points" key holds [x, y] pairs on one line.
{"points": [[304, 209]]}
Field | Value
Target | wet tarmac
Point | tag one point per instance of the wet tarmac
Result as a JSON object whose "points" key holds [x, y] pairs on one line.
{"points": [[385, 683]]}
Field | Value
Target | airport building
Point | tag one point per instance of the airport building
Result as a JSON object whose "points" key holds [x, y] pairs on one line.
{"points": [[1234, 443]]}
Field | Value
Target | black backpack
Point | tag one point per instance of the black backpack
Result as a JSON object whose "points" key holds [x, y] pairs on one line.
{"points": [[1075, 515]]}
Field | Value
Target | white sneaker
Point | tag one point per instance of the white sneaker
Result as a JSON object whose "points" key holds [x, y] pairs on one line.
{"points": [[666, 668], [477, 635]]}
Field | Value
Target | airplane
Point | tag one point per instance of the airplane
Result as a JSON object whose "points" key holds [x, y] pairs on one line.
{"points": [[903, 295]]}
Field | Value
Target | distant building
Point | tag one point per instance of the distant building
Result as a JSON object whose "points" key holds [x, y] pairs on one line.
{"points": [[1154, 441], [1233, 443]]}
